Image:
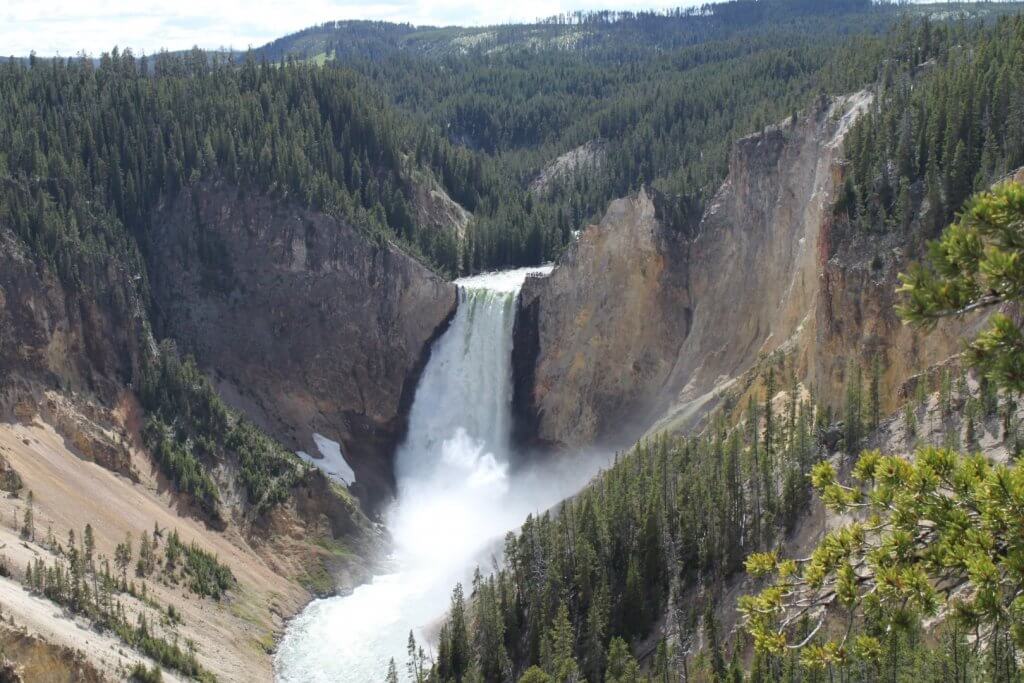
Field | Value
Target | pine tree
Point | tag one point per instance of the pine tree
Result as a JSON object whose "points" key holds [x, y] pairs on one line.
{"points": [[973, 267], [28, 529], [392, 675], [910, 424], [89, 546], [853, 409], [769, 420], [123, 557], [146, 561], [535, 674], [558, 656], [957, 529], [416, 665], [874, 395], [713, 640], [455, 662], [622, 667]]}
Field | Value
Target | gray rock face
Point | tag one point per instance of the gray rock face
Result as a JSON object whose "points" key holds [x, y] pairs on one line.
{"points": [[641, 327], [305, 324]]}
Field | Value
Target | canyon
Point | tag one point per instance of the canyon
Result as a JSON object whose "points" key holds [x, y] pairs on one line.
{"points": [[318, 330]]}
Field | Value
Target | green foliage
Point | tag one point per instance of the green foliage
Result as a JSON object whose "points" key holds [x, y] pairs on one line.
{"points": [[181, 465], [949, 120], [622, 667], [77, 584], [941, 530], [134, 131], [140, 673], [205, 574], [661, 118], [662, 96], [161, 650], [189, 430], [454, 652], [535, 674], [977, 264], [392, 674], [557, 653]]}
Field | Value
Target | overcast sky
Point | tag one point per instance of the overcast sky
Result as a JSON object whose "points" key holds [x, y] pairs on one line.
{"points": [[67, 27]]}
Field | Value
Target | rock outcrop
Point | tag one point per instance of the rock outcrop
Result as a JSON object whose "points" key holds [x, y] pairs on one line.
{"points": [[304, 323], [596, 339], [643, 326], [82, 337], [436, 210], [586, 158]]}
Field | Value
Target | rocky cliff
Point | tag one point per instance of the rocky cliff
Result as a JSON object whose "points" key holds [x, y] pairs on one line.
{"points": [[645, 326], [304, 323], [84, 336]]}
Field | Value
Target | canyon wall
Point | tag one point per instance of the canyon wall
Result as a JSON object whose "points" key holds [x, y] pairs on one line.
{"points": [[303, 322], [644, 326]]}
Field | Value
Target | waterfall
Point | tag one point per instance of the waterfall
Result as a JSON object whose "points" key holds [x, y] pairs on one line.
{"points": [[455, 458], [465, 394], [455, 496]]}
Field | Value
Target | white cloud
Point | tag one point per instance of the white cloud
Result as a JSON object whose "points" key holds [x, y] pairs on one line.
{"points": [[66, 27]]}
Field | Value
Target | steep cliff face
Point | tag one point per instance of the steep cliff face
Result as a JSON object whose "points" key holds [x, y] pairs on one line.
{"points": [[84, 337], [305, 324], [595, 340], [642, 327], [855, 314]]}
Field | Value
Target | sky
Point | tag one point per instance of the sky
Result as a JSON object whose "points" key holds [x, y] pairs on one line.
{"points": [[67, 27]]}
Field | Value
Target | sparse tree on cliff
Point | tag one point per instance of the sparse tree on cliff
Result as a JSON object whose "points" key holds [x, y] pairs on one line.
{"points": [[28, 529], [123, 557]]}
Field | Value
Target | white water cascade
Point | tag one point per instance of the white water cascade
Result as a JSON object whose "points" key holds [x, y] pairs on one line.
{"points": [[455, 497]]}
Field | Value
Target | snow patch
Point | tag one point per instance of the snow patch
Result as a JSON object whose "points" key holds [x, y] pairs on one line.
{"points": [[332, 462]]}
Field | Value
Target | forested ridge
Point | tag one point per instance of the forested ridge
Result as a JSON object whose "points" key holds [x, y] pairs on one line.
{"points": [[99, 145], [949, 128], [94, 150], [91, 153], [663, 94]]}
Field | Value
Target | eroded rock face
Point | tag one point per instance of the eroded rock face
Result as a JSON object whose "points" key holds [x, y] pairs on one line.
{"points": [[436, 211], [641, 327], [305, 324], [83, 338], [595, 340], [586, 158]]}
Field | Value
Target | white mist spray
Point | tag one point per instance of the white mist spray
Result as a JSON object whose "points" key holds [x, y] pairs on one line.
{"points": [[455, 496]]}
